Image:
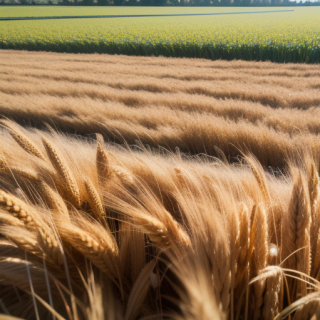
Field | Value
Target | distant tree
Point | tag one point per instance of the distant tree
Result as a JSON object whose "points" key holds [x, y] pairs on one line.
{"points": [[237, 2], [225, 2], [145, 2], [246, 2], [159, 2], [102, 2]]}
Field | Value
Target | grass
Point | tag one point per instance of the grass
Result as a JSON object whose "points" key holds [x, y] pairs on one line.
{"points": [[279, 37]]}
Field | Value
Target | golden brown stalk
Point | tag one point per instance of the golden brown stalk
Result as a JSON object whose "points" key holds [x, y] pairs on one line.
{"points": [[25, 173], [31, 219], [259, 241], [139, 291], [124, 176], [243, 242], [295, 232], [14, 230], [234, 240], [64, 171], [154, 229], [3, 163], [273, 295], [102, 160], [54, 200], [303, 213], [316, 258], [313, 184], [24, 142], [16, 208], [93, 241], [163, 234], [308, 311], [8, 219], [258, 173], [94, 199]]}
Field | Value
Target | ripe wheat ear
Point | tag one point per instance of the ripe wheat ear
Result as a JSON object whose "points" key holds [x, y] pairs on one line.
{"points": [[24, 142]]}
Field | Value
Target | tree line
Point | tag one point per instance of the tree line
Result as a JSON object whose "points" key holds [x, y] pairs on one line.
{"points": [[235, 3]]}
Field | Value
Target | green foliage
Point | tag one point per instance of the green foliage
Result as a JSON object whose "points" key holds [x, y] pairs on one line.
{"points": [[280, 37]]}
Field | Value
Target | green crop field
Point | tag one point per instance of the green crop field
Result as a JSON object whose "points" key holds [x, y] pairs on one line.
{"points": [[280, 36], [49, 11]]}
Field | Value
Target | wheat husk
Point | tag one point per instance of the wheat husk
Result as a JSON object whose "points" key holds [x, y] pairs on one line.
{"points": [[64, 171], [25, 143]]}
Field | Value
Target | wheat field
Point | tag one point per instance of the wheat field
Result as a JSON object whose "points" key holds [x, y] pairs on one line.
{"points": [[155, 188]]}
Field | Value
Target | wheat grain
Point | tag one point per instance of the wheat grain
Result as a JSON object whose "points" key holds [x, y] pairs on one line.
{"points": [[94, 199], [313, 185], [3, 163], [97, 245], [62, 168], [124, 176], [259, 240], [260, 177], [243, 242], [102, 161], [24, 142], [29, 217], [296, 230], [273, 295], [54, 200]]}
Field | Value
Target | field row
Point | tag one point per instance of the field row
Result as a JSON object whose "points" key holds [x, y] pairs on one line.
{"points": [[264, 108], [279, 37]]}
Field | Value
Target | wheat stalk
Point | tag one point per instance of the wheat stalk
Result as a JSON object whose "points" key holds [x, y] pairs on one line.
{"points": [[259, 241], [3, 162], [273, 295], [54, 200], [313, 185], [93, 242], [296, 230], [24, 142], [308, 311], [163, 234], [25, 173], [102, 161], [30, 218], [62, 168], [316, 257], [242, 243], [94, 199], [154, 229], [14, 230], [124, 176], [234, 239], [260, 177]]}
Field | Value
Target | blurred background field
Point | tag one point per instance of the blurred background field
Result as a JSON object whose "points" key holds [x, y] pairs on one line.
{"points": [[48, 11], [279, 36]]}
